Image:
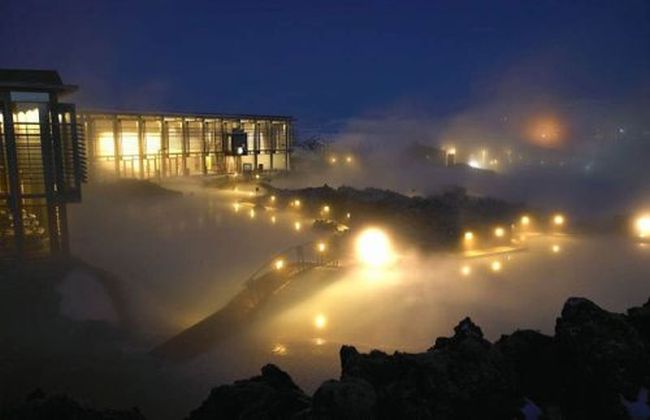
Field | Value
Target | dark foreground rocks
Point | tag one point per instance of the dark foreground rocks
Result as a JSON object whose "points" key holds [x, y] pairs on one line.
{"points": [[596, 366], [39, 406]]}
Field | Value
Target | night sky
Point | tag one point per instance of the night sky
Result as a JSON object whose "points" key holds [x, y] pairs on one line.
{"points": [[325, 62]]}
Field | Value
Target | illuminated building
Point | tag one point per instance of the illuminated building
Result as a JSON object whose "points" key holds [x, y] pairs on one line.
{"points": [[41, 163], [157, 145]]}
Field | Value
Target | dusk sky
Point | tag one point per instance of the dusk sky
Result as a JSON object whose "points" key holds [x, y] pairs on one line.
{"points": [[329, 61]]}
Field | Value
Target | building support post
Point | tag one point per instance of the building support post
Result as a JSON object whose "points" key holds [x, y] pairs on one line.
{"points": [[15, 195]]}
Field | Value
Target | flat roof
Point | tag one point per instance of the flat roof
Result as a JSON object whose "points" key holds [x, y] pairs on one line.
{"points": [[34, 80], [113, 112]]}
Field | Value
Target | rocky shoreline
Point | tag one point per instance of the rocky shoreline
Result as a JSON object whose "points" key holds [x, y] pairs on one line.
{"points": [[596, 365]]}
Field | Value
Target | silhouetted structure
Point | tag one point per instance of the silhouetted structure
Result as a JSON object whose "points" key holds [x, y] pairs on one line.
{"points": [[41, 162]]}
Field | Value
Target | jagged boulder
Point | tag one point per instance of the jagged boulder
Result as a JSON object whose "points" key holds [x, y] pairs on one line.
{"points": [[351, 398], [40, 406], [639, 317], [602, 356], [272, 395], [534, 358], [463, 376]]}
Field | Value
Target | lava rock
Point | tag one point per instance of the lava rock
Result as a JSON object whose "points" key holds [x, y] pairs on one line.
{"points": [[463, 376], [272, 395], [639, 317], [603, 357], [40, 406], [534, 357], [351, 398]]}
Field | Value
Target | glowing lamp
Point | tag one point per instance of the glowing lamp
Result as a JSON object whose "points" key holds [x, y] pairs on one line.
{"points": [[321, 247], [643, 226], [558, 220], [499, 232], [469, 236], [555, 249], [525, 221], [373, 247], [297, 226], [320, 321], [326, 209], [466, 270], [279, 264], [496, 266]]}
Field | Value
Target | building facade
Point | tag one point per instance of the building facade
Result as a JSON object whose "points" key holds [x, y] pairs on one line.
{"points": [[158, 145], [41, 162]]}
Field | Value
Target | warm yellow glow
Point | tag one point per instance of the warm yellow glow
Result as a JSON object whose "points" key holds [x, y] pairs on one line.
{"points": [[252, 214], [129, 144], [295, 203], [642, 226], [469, 236], [29, 116], [452, 151], [466, 270], [321, 247], [332, 159], [279, 264], [373, 247], [257, 176], [326, 209], [236, 206], [348, 215], [558, 220], [320, 321], [273, 220], [525, 220], [499, 232], [556, 249], [105, 144], [279, 350], [152, 143], [348, 159], [297, 226], [496, 266], [273, 199]]}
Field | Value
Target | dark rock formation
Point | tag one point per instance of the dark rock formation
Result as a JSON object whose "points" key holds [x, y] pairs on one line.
{"points": [[273, 395], [39, 406], [602, 356], [596, 366], [460, 377]]}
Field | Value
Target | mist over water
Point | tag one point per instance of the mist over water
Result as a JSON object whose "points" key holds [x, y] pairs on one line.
{"points": [[182, 258]]}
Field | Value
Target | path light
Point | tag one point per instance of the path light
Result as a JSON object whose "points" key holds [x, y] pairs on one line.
{"points": [[642, 226], [348, 215], [326, 209], [469, 236], [499, 232], [272, 199], [466, 270], [496, 266], [348, 159], [279, 264], [320, 321], [333, 159], [321, 247], [373, 247], [236, 207], [525, 220], [297, 226], [273, 219], [252, 214], [558, 220], [556, 248]]}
